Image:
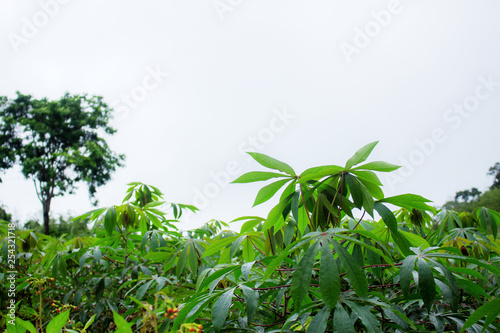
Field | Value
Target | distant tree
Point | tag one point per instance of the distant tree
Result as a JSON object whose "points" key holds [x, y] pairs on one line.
{"points": [[495, 171], [4, 215], [472, 194], [57, 143], [490, 199]]}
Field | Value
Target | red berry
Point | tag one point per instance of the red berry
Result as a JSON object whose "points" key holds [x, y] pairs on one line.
{"points": [[191, 329]]}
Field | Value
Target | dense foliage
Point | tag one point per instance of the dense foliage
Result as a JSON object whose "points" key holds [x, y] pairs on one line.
{"points": [[331, 256]]}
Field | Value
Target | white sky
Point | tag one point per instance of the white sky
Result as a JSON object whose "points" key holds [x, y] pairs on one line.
{"points": [[234, 65]]}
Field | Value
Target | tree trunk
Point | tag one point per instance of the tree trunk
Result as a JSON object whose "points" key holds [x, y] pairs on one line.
{"points": [[46, 210]]}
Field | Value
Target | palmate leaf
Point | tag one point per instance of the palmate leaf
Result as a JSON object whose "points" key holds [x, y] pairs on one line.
{"points": [[301, 278]]}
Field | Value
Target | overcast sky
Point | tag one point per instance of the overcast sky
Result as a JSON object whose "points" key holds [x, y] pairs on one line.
{"points": [[195, 84]]}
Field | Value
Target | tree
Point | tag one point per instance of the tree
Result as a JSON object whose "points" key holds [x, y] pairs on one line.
{"points": [[472, 194], [57, 143], [4, 215], [495, 171]]}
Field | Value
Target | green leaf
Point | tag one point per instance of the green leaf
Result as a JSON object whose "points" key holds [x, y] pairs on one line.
{"points": [[452, 283], [319, 322], [218, 245], [409, 201], [356, 276], [368, 202], [142, 290], [220, 309], [367, 176], [257, 176], [414, 239], [122, 325], [317, 173], [301, 278], [15, 329], [275, 217], [110, 220], [268, 191], [217, 275], [89, 322], [251, 301], [271, 267], [361, 155], [272, 163], [193, 259], [341, 320], [26, 324], [248, 250], [392, 225], [405, 274], [329, 280], [373, 189], [58, 322], [426, 284], [367, 318], [490, 309], [378, 166], [355, 189]]}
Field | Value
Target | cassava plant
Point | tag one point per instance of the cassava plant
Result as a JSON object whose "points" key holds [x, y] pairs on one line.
{"points": [[331, 256]]}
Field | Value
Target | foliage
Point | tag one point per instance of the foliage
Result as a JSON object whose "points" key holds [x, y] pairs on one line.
{"points": [[62, 227], [495, 172], [57, 143], [4, 215], [316, 263]]}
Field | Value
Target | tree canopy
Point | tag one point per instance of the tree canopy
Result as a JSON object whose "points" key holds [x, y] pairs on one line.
{"points": [[57, 143]]}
